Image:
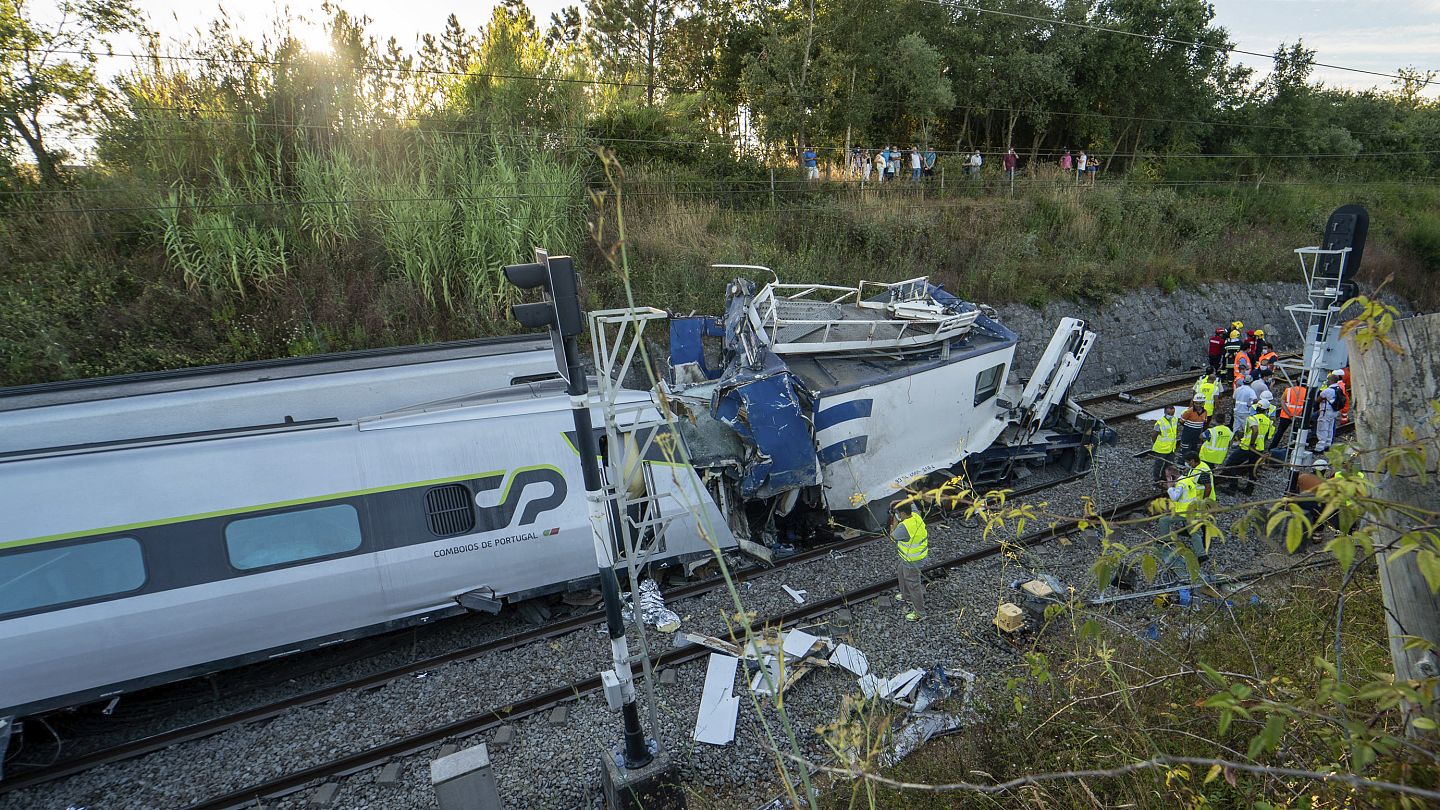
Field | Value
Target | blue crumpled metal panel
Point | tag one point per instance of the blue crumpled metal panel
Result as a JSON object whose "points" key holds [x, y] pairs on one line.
{"points": [[687, 341], [767, 408]]}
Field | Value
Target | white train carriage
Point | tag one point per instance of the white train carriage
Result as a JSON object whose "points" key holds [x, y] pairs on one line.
{"points": [[161, 526], [146, 560]]}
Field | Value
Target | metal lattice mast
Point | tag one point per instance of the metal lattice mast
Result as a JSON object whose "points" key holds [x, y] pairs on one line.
{"points": [[633, 429], [1317, 322]]}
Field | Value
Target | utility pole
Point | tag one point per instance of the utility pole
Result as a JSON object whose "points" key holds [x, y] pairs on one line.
{"points": [[1392, 395], [634, 777]]}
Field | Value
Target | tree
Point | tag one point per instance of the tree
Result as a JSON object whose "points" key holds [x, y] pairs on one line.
{"points": [[629, 38], [48, 85], [566, 29]]}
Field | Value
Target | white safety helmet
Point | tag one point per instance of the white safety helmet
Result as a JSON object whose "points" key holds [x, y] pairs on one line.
{"points": [[1320, 465]]}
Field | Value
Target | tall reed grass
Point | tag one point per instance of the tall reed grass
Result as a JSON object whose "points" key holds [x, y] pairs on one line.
{"points": [[443, 211]]}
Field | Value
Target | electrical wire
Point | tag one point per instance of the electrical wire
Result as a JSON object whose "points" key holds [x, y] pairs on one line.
{"points": [[1165, 39], [202, 206], [844, 194], [389, 123], [948, 4]]}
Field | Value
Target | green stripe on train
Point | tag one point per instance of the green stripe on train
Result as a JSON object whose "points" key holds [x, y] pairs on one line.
{"points": [[240, 510]]}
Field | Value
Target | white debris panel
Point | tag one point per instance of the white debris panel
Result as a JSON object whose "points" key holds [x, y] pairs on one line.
{"points": [[718, 704]]}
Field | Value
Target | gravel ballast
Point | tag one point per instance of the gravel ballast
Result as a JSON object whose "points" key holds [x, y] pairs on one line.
{"points": [[555, 766]]}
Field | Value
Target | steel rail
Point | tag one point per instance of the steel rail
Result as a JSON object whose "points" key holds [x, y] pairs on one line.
{"points": [[217, 725], [33, 777], [491, 718]]}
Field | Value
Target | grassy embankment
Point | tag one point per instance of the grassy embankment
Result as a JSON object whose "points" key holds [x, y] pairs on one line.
{"points": [[1096, 698], [122, 288]]}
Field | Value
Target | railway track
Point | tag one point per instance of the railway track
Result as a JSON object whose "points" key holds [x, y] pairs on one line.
{"points": [[217, 725], [545, 701], [27, 778]]}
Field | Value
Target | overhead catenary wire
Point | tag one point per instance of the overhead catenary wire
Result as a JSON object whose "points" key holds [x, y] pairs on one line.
{"points": [[393, 122], [838, 192], [1161, 38], [648, 183], [532, 134], [948, 4]]}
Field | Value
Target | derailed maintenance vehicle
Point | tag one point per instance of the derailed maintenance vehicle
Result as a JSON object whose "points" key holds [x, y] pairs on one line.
{"points": [[809, 402], [236, 514]]}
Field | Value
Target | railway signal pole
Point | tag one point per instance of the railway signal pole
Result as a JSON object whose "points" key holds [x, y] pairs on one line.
{"points": [[1327, 270], [560, 313]]}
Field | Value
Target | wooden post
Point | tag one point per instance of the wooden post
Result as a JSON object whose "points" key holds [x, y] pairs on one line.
{"points": [[772, 186], [1392, 392]]}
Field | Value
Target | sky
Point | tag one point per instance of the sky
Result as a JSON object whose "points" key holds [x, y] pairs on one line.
{"points": [[1378, 35]]}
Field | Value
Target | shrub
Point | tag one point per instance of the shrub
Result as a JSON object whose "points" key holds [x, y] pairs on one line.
{"points": [[1423, 237]]}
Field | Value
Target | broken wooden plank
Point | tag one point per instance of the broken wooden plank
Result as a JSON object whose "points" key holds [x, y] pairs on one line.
{"points": [[710, 642], [795, 673]]}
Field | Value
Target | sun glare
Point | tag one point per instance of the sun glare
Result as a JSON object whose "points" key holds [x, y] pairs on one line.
{"points": [[313, 37]]}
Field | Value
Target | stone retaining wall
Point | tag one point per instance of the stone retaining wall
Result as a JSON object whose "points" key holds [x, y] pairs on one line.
{"points": [[1148, 333]]}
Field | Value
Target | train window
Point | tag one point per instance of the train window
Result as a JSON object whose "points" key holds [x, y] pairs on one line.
{"points": [[292, 536], [449, 510], [987, 383], [48, 576]]}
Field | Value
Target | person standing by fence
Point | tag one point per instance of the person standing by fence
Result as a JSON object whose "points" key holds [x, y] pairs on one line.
{"points": [[1081, 165], [811, 162], [1010, 160], [882, 157], [1066, 162], [916, 163], [930, 162]]}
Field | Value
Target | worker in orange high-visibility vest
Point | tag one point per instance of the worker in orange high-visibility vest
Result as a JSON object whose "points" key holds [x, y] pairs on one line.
{"points": [[1242, 367], [1292, 406]]}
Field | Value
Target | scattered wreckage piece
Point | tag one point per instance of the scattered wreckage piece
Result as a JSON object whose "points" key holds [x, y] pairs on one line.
{"points": [[852, 659], [719, 705], [652, 608], [797, 595]]}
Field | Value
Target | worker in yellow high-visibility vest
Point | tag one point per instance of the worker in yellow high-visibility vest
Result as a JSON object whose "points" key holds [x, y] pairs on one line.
{"points": [[1205, 390], [1183, 494], [911, 541], [1167, 436], [1215, 449], [1245, 458]]}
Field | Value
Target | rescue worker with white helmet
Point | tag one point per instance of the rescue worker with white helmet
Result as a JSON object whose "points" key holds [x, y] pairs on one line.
{"points": [[1245, 398], [1244, 459], [1205, 390], [1330, 405]]}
